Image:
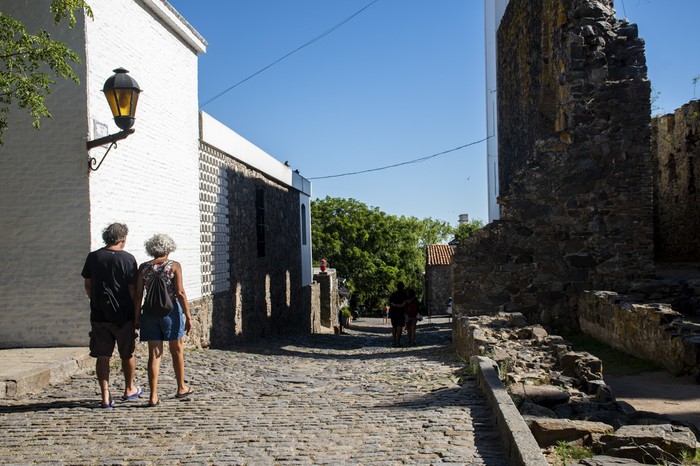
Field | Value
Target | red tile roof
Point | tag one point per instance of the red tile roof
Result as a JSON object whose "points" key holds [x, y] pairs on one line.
{"points": [[439, 254]]}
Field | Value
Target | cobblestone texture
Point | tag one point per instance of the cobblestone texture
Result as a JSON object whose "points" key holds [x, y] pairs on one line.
{"points": [[312, 400]]}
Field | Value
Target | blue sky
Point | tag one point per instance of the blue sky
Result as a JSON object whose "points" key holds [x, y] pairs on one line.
{"points": [[402, 80]]}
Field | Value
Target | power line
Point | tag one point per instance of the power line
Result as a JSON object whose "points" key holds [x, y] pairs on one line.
{"points": [[320, 36], [422, 159]]}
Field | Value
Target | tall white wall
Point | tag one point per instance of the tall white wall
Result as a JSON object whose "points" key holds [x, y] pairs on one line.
{"points": [[493, 12], [151, 180], [52, 211], [44, 207]]}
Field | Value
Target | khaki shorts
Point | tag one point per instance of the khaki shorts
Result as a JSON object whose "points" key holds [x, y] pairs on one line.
{"points": [[104, 335]]}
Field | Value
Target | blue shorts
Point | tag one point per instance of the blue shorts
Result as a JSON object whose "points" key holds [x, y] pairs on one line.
{"points": [[168, 328]]}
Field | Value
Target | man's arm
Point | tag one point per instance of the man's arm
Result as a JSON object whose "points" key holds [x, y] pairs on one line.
{"points": [[88, 288]]}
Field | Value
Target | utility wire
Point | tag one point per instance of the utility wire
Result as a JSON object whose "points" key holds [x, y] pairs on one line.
{"points": [[422, 159], [320, 36]]}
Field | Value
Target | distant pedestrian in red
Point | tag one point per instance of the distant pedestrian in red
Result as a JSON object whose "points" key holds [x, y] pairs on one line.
{"points": [[385, 315]]}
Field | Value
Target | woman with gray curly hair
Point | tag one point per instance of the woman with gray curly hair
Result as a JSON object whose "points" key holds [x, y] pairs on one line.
{"points": [[155, 329]]}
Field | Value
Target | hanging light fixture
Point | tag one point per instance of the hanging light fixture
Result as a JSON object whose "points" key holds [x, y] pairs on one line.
{"points": [[122, 93]]}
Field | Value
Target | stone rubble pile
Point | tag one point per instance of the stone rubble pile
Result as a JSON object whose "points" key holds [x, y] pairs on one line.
{"points": [[562, 395]]}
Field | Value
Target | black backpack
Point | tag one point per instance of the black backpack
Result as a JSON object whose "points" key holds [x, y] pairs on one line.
{"points": [[158, 302]]}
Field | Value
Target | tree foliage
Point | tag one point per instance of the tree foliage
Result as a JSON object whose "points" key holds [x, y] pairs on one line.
{"points": [[371, 249], [25, 59], [465, 230]]}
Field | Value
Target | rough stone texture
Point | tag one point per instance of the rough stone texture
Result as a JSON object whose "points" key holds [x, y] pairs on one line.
{"points": [[543, 370], [300, 400], [329, 299], [438, 277], [438, 284], [265, 294], [575, 165], [659, 443], [646, 330], [676, 161], [548, 432], [520, 444]]}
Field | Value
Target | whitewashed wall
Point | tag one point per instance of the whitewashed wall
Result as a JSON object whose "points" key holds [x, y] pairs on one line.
{"points": [[44, 216], [493, 12], [52, 212], [151, 181]]}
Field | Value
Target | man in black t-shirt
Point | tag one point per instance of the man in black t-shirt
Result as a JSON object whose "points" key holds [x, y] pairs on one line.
{"points": [[110, 278]]}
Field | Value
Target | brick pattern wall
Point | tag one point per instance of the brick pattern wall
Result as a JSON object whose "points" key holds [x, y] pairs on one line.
{"points": [[265, 295], [676, 150], [575, 165], [151, 180], [52, 210]]}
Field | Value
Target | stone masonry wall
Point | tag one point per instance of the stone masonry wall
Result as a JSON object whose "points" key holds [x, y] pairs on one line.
{"points": [[676, 150], [575, 165], [650, 331], [265, 294], [438, 281]]}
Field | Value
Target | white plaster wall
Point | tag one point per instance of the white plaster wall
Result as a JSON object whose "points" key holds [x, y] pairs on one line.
{"points": [[225, 139], [493, 12], [151, 180], [44, 222]]}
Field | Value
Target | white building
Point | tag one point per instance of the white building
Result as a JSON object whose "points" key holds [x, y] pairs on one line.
{"points": [[493, 12], [53, 208]]}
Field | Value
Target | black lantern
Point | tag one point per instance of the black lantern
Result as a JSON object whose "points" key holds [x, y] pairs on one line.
{"points": [[122, 93]]}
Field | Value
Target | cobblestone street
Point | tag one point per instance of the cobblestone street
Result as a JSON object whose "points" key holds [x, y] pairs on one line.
{"points": [[311, 400]]}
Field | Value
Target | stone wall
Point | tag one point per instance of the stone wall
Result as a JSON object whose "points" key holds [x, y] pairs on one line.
{"points": [[260, 245], [650, 331], [575, 165], [676, 151], [438, 287], [329, 299]]}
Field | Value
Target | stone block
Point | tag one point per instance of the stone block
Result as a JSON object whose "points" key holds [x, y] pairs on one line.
{"points": [[543, 395], [549, 431], [661, 442]]}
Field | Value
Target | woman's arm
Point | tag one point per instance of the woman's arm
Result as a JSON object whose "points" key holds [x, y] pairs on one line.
{"points": [[181, 296]]}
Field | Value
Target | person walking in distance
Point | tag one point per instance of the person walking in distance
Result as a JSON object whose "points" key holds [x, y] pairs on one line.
{"points": [[397, 306], [412, 306], [109, 277], [171, 326]]}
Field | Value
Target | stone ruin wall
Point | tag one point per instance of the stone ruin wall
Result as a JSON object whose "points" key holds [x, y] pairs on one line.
{"points": [[574, 165], [676, 148]]}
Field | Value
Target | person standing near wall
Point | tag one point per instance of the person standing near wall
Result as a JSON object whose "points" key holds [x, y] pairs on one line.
{"points": [[397, 305], [109, 277], [171, 327]]}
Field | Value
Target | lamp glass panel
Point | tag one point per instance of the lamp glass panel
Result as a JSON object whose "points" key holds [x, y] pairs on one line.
{"points": [[120, 102]]}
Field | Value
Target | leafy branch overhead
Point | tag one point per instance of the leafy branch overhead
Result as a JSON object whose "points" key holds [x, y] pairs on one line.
{"points": [[25, 79]]}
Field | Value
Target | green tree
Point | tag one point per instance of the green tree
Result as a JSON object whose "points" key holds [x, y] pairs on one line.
{"points": [[465, 230], [370, 248], [25, 59]]}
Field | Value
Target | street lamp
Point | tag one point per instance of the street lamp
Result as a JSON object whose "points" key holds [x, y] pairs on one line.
{"points": [[122, 93]]}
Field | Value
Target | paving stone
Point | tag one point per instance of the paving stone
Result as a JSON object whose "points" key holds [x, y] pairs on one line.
{"points": [[313, 399]]}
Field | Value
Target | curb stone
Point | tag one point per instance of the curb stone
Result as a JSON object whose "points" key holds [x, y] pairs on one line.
{"points": [[523, 450]]}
